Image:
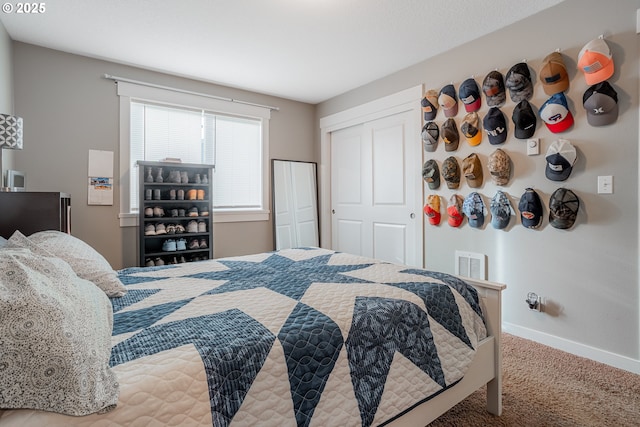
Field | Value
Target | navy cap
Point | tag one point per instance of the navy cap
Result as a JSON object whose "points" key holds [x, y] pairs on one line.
{"points": [[448, 100], [495, 125], [530, 208], [469, 94]]}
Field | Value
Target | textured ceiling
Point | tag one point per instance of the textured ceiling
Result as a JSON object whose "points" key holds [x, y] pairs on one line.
{"points": [[306, 50]]}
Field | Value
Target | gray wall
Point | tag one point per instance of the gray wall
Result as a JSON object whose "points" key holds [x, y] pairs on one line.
{"points": [[6, 89], [68, 109], [589, 274]]}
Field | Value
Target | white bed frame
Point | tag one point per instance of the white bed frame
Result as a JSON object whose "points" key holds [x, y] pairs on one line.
{"points": [[486, 367]]}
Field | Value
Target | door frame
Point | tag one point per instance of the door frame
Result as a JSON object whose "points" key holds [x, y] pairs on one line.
{"points": [[400, 102]]}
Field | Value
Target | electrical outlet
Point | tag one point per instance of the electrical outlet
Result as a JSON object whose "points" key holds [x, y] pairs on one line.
{"points": [[533, 147], [605, 184]]}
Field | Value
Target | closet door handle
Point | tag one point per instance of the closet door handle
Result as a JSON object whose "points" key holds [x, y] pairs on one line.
{"points": [[412, 215], [333, 211]]}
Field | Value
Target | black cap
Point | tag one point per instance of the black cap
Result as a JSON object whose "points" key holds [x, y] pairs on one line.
{"points": [[524, 120], [495, 125], [530, 208], [563, 208]]}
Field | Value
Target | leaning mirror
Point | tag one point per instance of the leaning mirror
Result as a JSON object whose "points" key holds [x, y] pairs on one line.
{"points": [[295, 204]]}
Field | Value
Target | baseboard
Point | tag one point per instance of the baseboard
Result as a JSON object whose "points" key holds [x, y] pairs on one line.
{"points": [[608, 358]]}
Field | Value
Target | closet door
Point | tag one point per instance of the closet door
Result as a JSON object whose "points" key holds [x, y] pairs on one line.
{"points": [[373, 185]]}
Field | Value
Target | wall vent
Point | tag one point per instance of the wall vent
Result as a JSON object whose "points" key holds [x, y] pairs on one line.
{"points": [[469, 264]]}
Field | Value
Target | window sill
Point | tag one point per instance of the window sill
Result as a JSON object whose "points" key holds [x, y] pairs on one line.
{"points": [[131, 219]]}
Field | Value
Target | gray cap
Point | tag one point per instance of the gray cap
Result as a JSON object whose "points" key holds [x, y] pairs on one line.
{"points": [[430, 135], [601, 104], [431, 174]]}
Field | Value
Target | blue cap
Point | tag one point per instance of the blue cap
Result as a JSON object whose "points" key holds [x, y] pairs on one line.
{"points": [[473, 207]]}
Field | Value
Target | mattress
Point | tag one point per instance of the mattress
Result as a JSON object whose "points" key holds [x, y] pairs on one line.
{"points": [[300, 337]]}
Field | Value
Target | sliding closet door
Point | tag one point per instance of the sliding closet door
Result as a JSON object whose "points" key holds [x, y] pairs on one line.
{"points": [[373, 187]]}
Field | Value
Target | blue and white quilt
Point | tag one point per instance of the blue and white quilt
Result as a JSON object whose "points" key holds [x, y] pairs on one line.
{"points": [[298, 337]]}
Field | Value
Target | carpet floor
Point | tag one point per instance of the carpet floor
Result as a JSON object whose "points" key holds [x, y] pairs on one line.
{"points": [[543, 386]]}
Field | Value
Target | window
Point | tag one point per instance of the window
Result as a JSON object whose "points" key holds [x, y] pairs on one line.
{"points": [[194, 129]]}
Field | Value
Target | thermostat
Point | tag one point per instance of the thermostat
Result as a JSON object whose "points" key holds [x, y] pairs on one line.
{"points": [[533, 147]]}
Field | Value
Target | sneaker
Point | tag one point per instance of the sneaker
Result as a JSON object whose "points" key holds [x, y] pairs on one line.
{"points": [[179, 229], [174, 176], [181, 260], [184, 177], [173, 260], [148, 194], [205, 180], [148, 212], [192, 226], [149, 230], [159, 261], [193, 244], [171, 229], [204, 212], [174, 213], [169, 245], [159, 177], [200, 195], [203, 244], [181, 245], [158, 212], [149, 263], [180, 194], [156, 195], [202, 227], [192, 194], [198, 180], [160, 229], [193, 211], [172, 194], [181, 212]]}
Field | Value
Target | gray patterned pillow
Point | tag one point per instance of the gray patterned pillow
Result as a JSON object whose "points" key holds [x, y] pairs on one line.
{"points": [[85, 261], [55, 337]]}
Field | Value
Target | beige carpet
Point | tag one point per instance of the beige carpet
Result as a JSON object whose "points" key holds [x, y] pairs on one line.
{"points": [[543, 386]]}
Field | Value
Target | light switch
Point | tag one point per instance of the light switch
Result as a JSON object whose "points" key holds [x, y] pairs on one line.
{"points": [[605, 184], [533, 147]]}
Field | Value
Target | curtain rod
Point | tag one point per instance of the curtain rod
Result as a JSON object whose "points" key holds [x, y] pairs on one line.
{"points": [[221, 98]]}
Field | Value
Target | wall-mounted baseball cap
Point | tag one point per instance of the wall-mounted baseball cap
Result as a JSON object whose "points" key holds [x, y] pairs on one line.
{"points": [[469, 94], [450, 135], [553, 74], [595, 61], [493, 88], [524, 120], [518, 81], [432, 209], [601, 104], [561, 156], [473, 207], [563, 208], [472, 169], [430, 135], [556, 114], [448, 100], [501, 210], [530, 208], [451, 172], [430, 104], [454, 210], [431, 174], [499, 167], [495, 125], [471, 128]]}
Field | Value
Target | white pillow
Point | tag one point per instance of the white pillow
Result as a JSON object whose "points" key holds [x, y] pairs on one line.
{"points": [[85, 261], [55, 337]]}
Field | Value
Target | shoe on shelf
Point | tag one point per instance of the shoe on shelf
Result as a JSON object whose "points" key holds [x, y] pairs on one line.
{"points": [[200, 195], [173, 261], [180, 194], [180, 229], [156, 195], [159, 177], [148, 212], [181, 260], [192, 194], [172, 194], [149, 263], [203, 244], [148, 194], [174, 176], [193, 211], [171, 229], [160, 229], [159, 261], [184, 177], [174, 213], [169, 245], [182, 212], [193, 244], [181, 245], [198, 180], [205, 180], [204, 212], [202, 227], [158, 212], [149, 230], [192, 226]]}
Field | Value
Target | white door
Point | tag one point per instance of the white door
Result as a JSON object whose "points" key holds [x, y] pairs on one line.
{"points": [[374, 179]]}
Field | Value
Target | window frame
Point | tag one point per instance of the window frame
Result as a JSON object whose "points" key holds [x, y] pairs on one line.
{"points": [[128, 92]]}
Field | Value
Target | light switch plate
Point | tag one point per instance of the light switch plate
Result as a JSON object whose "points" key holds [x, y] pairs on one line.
{"points": [[533, 147], [605, 184]]}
